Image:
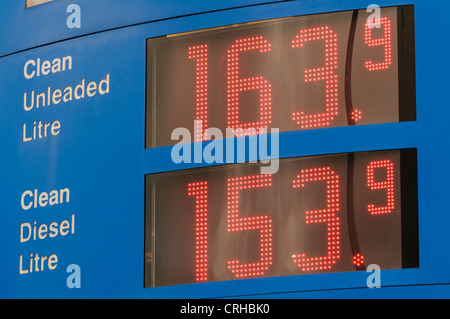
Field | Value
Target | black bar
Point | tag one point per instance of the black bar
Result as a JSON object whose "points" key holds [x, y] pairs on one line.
{"points": [[410, 210], [406, 63]]}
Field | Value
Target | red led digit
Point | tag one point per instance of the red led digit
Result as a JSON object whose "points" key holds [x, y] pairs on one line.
{"points": [[200, 191], [262, 223], [200, 54], [325, 73], [236, 85], [388, 185], [386, 41], [327, 215]]}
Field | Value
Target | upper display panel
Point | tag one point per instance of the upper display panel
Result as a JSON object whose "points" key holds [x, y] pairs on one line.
{"points": [[296, 73]]}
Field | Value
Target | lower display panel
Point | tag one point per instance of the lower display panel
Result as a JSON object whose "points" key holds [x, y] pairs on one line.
{"points": [[316, 214]]}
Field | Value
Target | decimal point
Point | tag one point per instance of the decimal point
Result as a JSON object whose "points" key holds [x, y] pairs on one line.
{"points": [[358, 259], [356, 115]]}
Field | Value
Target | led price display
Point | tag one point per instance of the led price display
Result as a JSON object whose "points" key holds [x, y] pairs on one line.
{"points": [[295, 73], [328, 213]]}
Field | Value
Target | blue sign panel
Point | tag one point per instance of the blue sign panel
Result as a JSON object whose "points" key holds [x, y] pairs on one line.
{"points": [[72, 107], [111, 180]]}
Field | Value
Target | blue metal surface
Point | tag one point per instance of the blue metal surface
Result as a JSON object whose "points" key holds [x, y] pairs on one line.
{"points": [[99, 153], [46, 23]]}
